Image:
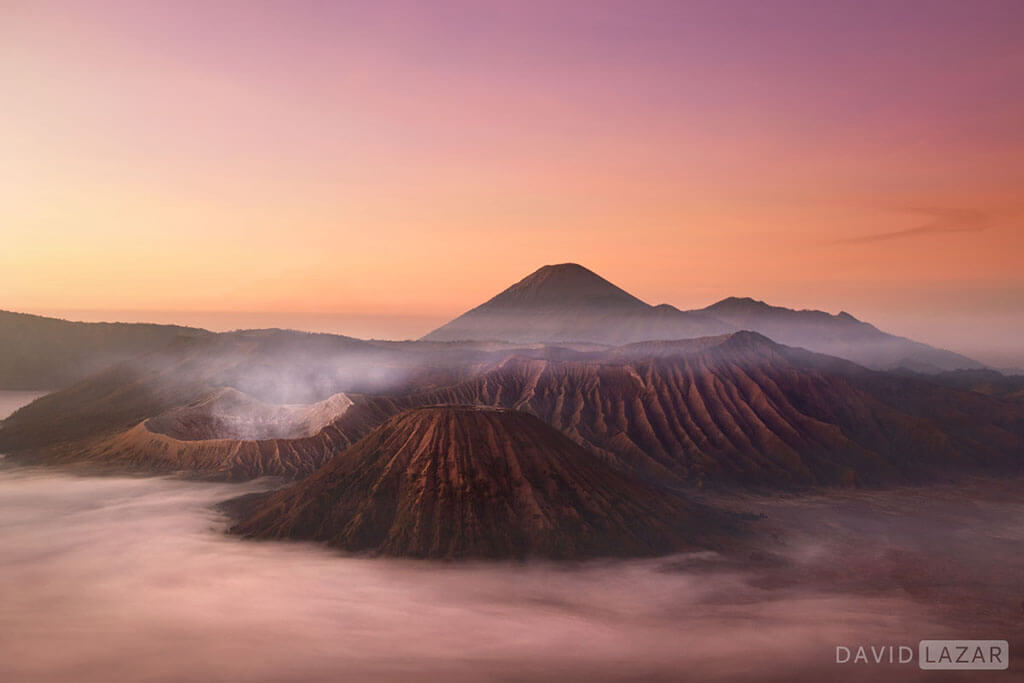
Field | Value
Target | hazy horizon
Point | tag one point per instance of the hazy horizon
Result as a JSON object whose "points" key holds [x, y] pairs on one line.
{"points": [[958, 331], [406, 159]]}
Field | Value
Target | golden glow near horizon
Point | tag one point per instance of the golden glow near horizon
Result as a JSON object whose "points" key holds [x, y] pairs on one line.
{"points": [[347, 158]]}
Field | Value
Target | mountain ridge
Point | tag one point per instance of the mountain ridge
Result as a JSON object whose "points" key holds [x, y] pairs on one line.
{"points": [[745, 409], [566, 303], [38, 352], [732, 409], [565, 317]]}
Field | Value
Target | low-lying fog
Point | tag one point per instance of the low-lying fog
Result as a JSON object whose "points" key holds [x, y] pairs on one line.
{"points": [[133, 579]]}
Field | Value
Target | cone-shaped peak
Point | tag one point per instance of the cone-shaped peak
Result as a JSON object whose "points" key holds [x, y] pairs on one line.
{"points": [[468, 481], [565, 284]]}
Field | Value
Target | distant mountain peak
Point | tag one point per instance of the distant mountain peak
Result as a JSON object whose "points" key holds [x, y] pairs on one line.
{"points": [[566, 302], [568, 267], [739, 303], [749, 338], [564, 284]]}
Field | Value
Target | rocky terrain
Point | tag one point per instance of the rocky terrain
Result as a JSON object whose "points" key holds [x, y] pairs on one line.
{"points": [[466, 481], [671, 405], [733, 409], [202, 440], [741, 408], [227, 413]]}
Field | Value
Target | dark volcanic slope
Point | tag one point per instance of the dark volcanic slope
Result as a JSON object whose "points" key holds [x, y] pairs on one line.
{"points": [[736, 408], [286, 441], [143, 449], [567, 302], [988, 382], [46, 353], [448, 481], [742, 408]]}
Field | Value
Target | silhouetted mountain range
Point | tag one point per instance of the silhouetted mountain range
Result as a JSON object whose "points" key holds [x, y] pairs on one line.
{"points": [[561, 304], [568, 303], [46, 353], [839, 335]]}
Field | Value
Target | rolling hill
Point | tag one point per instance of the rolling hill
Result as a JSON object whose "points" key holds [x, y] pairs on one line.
{"points": [[38, 353]]}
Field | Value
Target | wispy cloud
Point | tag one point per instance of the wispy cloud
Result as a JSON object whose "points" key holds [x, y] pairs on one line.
{"points": [[940, 221]]}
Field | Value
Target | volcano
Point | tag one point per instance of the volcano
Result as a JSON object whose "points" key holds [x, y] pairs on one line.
{"points": [[468, 481], [736, 408], [569, 303], [741, 408]]}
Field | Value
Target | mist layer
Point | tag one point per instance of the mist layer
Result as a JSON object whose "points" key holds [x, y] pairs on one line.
{"points": [[133, 579]]}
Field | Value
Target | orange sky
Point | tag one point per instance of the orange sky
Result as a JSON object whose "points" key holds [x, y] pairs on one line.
{"points": [[350, 158]]}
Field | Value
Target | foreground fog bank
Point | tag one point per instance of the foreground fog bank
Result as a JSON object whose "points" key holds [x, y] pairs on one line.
{"points": [[122, 579]]}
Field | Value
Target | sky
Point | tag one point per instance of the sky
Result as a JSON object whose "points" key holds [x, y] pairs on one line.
{"points": [[375, 168]]}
